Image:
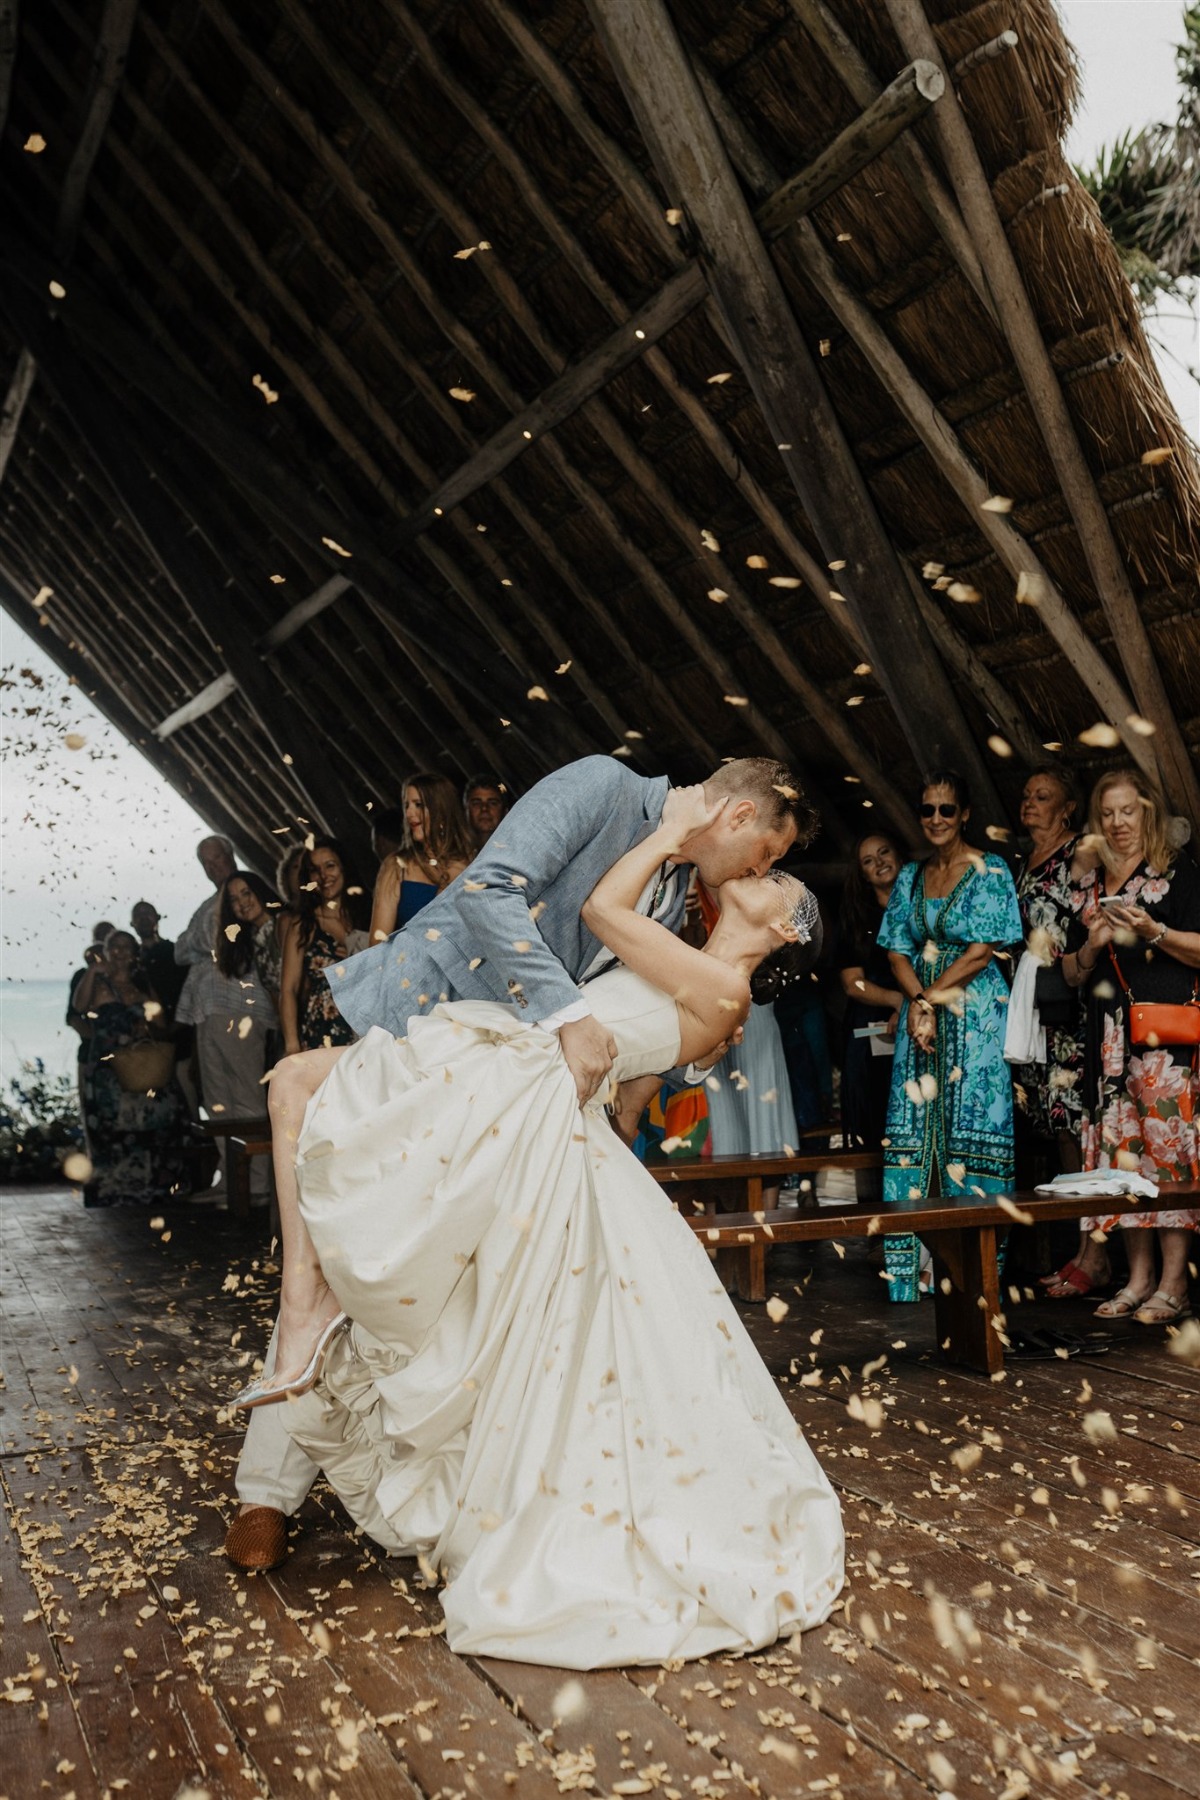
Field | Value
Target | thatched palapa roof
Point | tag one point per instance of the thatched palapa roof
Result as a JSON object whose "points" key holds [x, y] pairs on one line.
{"points": [[617, 376]]}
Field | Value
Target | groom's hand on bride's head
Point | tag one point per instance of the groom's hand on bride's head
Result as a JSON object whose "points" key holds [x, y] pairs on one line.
{"points": [[590, 1050]]}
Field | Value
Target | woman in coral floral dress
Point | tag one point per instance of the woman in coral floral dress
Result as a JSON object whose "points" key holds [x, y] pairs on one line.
{"points": [[1142, 1102]]}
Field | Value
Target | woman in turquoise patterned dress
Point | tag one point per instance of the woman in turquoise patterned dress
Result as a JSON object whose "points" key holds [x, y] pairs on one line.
{"points": [[950, 1115]]}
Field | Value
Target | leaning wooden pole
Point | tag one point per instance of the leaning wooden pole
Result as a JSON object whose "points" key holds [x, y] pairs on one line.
{"points": [[1096, 540], [663, 93]]}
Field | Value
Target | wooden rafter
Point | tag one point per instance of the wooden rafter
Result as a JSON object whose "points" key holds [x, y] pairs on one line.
{"points": [[647, 476], [1096, 539], [665, 97]]}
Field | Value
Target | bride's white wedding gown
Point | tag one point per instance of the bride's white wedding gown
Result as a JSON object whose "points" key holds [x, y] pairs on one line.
{"points": [[546, 1391]]}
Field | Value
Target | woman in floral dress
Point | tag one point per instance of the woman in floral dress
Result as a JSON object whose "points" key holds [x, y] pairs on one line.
{"points": [[950, 1119], [1142, 1103], [135, 1140], [333, 921]]}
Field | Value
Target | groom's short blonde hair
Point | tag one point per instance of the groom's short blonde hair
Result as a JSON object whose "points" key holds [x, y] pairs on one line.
{"points": [[775, 790]]}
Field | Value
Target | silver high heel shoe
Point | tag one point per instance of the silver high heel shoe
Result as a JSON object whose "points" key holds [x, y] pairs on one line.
{"points": [[265, 1392]]}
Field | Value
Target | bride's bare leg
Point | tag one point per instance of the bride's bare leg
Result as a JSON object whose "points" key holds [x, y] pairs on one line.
{"points": [[305, 1301]]}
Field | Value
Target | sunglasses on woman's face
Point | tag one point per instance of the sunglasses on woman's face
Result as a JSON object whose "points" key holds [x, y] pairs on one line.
{"points": [[943, 811]]}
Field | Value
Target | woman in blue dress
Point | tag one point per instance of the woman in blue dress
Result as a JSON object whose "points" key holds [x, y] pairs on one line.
{"points": [[950, 1113], [435, 849]]}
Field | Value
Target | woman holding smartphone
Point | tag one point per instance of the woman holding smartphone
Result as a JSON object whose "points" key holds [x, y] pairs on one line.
{"points": [[1135, 938]]}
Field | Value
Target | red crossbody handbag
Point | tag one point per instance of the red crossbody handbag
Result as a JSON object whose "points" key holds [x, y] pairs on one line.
{"points": [[1154, 1022]]}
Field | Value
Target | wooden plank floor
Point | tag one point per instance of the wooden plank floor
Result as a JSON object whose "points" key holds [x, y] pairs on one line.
{"points": [[1022, 1616]]}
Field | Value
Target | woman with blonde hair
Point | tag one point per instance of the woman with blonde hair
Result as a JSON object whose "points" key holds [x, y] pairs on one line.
{"points": [[1134, 949], [436, 848]]}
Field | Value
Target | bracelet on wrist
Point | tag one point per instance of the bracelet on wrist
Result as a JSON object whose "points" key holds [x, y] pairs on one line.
{"points": [[1159, 935]]}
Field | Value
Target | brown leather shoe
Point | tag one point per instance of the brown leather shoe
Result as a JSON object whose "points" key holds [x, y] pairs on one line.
{"points": [[257, 1539]]}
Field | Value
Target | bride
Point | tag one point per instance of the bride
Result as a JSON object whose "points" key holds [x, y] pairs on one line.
{"points": [[526, 1372]]}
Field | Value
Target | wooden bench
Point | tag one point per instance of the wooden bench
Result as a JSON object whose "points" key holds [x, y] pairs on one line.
{"points": [[244, 1139], [962, 1238]]}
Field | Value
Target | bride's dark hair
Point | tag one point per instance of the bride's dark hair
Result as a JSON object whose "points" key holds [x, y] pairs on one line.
{"points": [[791, 962]]}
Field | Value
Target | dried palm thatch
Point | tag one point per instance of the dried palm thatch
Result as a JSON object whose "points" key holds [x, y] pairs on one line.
{"points": [[277, 273]]}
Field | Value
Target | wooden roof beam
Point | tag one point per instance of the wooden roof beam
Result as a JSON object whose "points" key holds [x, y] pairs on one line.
{"points": [[926, 185], [562, 725], [88, 606], [665, 97], [451, 414], [679, 296], [1096, 539], [448, 207], [112, 45], [899, 105], [86, 667], [629, 180], [95, 413], [254, 468], [940, 441], [943, 445], [399, 251]]}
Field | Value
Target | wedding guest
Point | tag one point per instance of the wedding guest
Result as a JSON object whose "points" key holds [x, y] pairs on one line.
{"points": [[287, 879], [1049, 1094], [330, 926], [749, 1095], [233, 1017], [387, 831], [250, 931], [435, 848], [485, 801], [1135, 937], [79, 1022], [949, 1119], [157, 956], [92, 957], [873, 1000], [134, 1136]]}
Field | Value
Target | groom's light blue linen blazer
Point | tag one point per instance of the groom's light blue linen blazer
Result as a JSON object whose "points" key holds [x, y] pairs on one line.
{"points": [[510, 928]]}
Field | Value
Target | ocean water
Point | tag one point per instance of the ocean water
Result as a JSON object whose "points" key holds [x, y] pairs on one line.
{"points": [[33, 1024]]}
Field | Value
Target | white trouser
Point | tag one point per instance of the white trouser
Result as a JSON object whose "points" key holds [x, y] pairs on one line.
{"points": [[272, 1470]]}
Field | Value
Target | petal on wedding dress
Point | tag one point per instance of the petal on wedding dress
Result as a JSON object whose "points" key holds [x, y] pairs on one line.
{"points": [[546, 1390]]}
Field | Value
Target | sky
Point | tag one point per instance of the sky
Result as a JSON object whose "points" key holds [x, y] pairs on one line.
{"points": [[88, 831]]}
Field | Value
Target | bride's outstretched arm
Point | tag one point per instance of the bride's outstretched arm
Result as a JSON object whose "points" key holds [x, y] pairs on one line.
{"points": [[644, 946]]}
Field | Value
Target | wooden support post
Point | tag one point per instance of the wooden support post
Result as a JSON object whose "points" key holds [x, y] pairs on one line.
{"points": [[657, 78], [1096, 539], [900, 105]]}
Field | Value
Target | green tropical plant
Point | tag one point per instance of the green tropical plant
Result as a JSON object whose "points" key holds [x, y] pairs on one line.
{"points": [[1147, 186], [39, 1124]]}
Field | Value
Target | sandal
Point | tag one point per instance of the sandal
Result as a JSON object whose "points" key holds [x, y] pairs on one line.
{"points": [[1059, 1275], [1122, 1305], [1071, 1282], [1163, 1309]]}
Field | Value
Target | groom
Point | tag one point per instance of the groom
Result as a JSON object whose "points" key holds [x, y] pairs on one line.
{"points": [[510, 929]]}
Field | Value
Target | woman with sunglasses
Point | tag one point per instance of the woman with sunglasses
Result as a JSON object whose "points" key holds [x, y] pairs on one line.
{"points": [[950, 1113]]}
